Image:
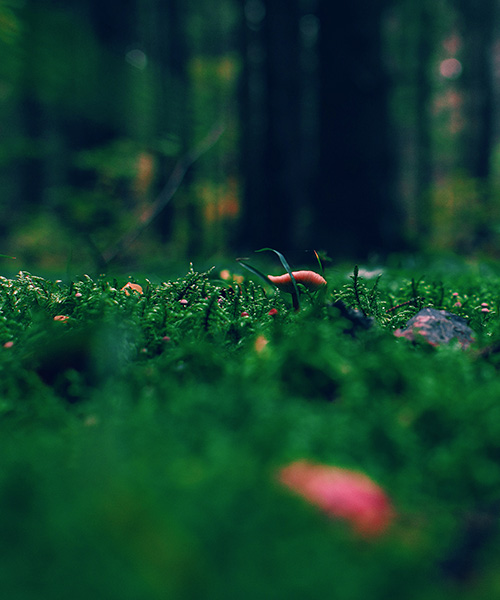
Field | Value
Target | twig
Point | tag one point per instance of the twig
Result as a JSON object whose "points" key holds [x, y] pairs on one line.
{"points": [[166, 194], [413, 301]]}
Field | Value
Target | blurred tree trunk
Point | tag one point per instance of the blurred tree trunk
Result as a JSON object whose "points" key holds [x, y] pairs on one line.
{"points": [[166, 32], [477, 28], [411, 37], [478, 25], [112, 24], [423, 127], [281, 153], [252, 118], [30, 167], [354, 208], [272, 123]]}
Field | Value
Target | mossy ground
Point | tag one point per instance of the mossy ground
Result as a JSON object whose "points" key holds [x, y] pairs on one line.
{"points": [[141, 437]]}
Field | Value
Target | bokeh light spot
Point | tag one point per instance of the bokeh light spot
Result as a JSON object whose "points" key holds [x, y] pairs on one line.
{"points": [[137, 58], [451, 68]]}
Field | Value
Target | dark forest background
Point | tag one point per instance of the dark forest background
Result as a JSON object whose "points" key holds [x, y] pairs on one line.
{"points": [[136, 131]]}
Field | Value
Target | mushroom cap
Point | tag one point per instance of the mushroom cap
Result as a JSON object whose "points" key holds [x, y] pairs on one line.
{"points": [[309, 279]]}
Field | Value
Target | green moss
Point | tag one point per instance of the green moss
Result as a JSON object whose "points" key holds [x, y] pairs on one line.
{"points": [[141, 438]]}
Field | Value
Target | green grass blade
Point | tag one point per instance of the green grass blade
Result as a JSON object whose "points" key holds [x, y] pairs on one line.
{"points": [[321, 268], [295, 294], [254, 270]]}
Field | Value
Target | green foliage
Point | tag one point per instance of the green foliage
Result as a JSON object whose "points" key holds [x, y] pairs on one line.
{"points": [[141, 437], [358, 295], [460, 213], [10, 24]]}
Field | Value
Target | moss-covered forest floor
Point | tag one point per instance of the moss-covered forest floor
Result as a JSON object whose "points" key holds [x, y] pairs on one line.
{"points": [[199, 438]]}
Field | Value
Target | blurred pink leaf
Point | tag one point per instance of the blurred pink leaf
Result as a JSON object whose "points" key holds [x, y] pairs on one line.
{"points": [[342, 494]]}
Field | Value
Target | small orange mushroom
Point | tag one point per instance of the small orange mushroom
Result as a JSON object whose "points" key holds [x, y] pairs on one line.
{"points": [[309, 279], [61, 318], [260, 343], [135, 287]]}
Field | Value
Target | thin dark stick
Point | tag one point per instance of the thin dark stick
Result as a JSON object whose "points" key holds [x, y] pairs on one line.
{"points": [[412, 301], [167, 193]]}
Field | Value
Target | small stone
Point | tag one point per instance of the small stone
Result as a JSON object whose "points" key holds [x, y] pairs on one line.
{"points": [[437, 327]]}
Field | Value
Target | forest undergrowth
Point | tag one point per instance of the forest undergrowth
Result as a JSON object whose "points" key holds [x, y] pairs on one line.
{"points": [[200, 437]]}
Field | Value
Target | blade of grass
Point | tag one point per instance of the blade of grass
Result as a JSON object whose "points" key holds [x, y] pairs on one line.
{"points": [[295, 293], [254, 270], [321, 268]]}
